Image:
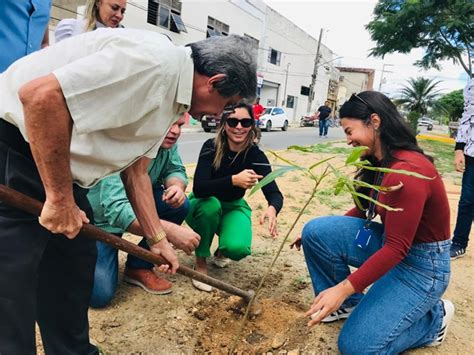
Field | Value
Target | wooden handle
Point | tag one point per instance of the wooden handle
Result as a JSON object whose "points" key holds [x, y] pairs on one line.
{"points": [[25, 203]]}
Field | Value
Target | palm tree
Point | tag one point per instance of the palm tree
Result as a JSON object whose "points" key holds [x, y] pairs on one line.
{"points": [[419, 94]]}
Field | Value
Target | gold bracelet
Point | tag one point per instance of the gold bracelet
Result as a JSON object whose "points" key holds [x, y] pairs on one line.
{"points": [[156, 238]]}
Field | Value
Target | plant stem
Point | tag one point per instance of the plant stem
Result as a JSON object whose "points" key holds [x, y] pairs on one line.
{"points": [[247, 311]]}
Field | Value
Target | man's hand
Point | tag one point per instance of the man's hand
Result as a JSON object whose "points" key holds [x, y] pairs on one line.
{"points": [[459, 161], [174, 196], [62, 218], [270, 214], [328, 301], [164, 249], [181, 237], [246, 179]]}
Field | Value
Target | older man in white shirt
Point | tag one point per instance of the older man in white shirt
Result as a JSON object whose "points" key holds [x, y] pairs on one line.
{"points": [[92, 105]]}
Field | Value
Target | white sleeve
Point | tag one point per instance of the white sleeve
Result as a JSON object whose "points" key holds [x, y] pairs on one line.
{"points": [[64, 29], [116, 86]]}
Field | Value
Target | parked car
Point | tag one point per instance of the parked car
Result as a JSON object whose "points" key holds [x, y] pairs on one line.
{"points": [[209, 123], [426, 122], [273, 117], [308, 121]]}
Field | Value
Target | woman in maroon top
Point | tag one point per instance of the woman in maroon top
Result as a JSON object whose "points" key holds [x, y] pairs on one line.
{"points": [[405, 257]]}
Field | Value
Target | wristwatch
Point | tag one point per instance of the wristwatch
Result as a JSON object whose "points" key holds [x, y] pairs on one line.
{"points": [[156, 238]]}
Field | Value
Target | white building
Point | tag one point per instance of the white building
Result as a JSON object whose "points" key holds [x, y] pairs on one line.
{"points": [[286, 53]]}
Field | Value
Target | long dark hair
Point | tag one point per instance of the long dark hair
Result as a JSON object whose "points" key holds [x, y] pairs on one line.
{"points": [[222, 145], [394, 132]]}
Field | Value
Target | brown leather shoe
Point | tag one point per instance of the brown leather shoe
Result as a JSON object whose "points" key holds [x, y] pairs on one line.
{"points": [[147, 280]]}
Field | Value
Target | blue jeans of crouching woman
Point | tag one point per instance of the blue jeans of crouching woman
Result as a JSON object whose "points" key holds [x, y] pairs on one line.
{"points": [[402, 310]]}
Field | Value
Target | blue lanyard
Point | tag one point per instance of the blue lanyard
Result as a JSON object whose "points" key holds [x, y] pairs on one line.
{"points": [[371, 209]]}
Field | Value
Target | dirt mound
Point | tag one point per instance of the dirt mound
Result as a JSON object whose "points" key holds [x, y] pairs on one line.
{"points": [[273, 329]]}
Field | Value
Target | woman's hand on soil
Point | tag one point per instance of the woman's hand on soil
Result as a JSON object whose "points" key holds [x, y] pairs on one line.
{"points": [[246, 179], [328, 301], [270, 214], [296, 243]]}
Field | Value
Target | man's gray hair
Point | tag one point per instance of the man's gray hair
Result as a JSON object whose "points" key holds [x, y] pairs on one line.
{"points": [[235, 56]]}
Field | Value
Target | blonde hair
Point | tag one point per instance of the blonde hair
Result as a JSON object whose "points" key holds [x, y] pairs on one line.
{"points": [[222, 145], [91, 14]]}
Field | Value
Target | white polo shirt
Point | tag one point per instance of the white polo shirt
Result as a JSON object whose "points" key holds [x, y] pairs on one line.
{"points": [[123, 88]]}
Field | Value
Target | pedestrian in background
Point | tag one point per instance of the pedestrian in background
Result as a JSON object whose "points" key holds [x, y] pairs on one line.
{"points": [[98, 14], [323, 115], [464, 163]]}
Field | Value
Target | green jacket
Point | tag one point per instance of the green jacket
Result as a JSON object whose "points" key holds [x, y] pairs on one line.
{"points": [[112, 210]]}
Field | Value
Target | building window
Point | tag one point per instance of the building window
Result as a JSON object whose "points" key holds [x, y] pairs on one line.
{"points": [[166, 14], [274, 56], [253, 40], [290, 101], [216, 28], [304, 91]]}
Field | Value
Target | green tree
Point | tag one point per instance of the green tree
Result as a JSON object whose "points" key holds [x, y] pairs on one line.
{"points": [[450, 105], [444, 28], [419, 94]]}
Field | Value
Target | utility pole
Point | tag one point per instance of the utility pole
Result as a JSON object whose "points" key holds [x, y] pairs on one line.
{"points": [[384, 71], [286, 84], [315, 73]]}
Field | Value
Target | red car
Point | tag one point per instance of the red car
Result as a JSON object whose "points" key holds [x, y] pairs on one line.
{"points": [[309, 121]]}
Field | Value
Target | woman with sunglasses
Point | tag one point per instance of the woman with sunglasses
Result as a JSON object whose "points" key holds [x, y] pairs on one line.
{"points": [[405, 257], [228, 165]]}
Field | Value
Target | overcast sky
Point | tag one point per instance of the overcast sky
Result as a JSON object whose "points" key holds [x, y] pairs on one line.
{"points": [[345, 34]]}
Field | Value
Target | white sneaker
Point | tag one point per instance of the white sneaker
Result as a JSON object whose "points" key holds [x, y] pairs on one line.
{"points": [[448, 308], [221, 262], [341, 313]]}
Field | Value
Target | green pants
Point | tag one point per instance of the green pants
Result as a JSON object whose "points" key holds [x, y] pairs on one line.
{"points": [[231, 221]]}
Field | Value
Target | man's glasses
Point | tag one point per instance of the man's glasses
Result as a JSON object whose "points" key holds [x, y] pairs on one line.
{"points": [[363, 101], [244, 122]]}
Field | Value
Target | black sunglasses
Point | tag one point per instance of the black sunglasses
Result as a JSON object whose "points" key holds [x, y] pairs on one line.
{"points": [[244, 122], [363, 101]]}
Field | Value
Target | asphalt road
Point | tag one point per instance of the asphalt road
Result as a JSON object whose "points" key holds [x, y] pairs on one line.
{"points": [[190, 143]]}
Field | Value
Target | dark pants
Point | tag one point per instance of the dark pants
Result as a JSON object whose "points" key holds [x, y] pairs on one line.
{"points": [[465, 208], [44, 278], [106, 270]]}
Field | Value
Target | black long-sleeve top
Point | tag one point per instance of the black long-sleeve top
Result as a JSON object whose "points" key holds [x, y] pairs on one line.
{"points": [[218, 183]]}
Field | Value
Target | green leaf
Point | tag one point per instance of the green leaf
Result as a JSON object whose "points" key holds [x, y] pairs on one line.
{"points": [[398, 171], [374, 187], [355, 154], [319, 163], [301, 148], [272, 176], [365, 197], [286, 160], [339, 185]]}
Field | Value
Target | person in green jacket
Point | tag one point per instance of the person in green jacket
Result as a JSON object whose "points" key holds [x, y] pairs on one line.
{"points": [[114, 214]]}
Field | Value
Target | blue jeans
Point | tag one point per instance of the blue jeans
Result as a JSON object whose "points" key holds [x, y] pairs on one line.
{"points": [[323, 127], [465, 208], [402, 310], [106, 269]]}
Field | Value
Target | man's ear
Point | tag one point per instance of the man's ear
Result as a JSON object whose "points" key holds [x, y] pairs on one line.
{"points": [[375, 120], [211, 82]]}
